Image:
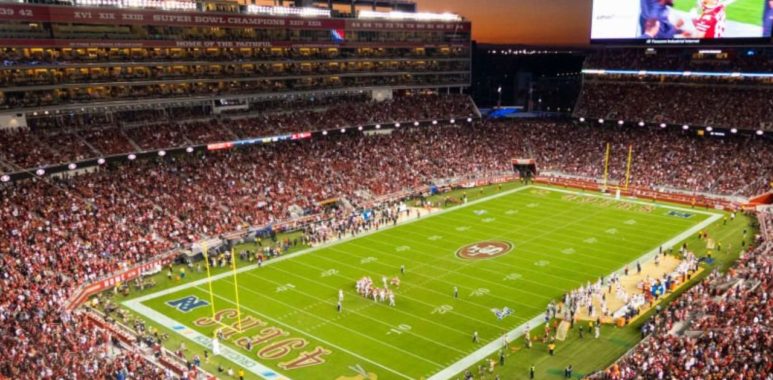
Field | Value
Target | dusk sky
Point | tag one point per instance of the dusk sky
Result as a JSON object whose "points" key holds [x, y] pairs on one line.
{"points": [[555, 22]]}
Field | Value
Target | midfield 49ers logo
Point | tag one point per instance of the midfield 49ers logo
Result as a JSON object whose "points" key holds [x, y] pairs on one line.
{"points": [[484, 250]]}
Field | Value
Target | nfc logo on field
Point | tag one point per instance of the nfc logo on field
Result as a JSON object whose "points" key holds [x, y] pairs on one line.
{"points": [[187, 304], [678, 214], [484, 250]]}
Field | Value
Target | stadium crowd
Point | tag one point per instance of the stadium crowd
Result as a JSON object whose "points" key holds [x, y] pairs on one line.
{"points": [[719, 329], [20, 97], [58, 233], [11, 57], [678, 59], [57, 139], [699, 104]]}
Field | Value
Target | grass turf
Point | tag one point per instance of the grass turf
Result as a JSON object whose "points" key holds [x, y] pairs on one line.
{"points": [[589, 355], [560, 241], [745, 11]]}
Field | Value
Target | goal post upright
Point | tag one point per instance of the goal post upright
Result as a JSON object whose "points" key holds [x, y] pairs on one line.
{"points": [[209, 278], [236, 289], [628, 166], [606, 165]]}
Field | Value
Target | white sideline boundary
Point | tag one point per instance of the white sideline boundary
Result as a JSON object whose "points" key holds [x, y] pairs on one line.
{"points": [[517, 332], [325, 245], [238, 358], [136, 304], [264, 372]]}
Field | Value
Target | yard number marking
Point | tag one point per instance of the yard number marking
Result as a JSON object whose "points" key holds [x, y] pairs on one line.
{"points": [[399, 330], [480, 292], [442, 309], [329, 273], [285, 287], [367, 260]]}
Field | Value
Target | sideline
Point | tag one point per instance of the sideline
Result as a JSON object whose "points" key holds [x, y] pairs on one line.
{"points": [[519, 331], [264, 372]]}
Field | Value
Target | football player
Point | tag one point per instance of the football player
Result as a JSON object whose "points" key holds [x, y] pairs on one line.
{"points": [[767, 25], [711, 21]]}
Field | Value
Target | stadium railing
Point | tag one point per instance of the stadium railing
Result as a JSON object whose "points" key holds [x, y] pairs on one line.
{"points": [[166, 360], [154, 264]]}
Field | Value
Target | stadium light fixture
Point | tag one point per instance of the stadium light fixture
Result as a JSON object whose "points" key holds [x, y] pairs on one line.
{"points": [[40, 172], [72, 166], [734, 130], [760, 132], [641, 123], [287, 11], [189, 149], [132, 157], [5, 178], [161, 153], [685, 127], [412, 16]]}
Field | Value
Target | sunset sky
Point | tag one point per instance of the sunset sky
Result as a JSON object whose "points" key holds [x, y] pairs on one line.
{"points": [[554, 22]]}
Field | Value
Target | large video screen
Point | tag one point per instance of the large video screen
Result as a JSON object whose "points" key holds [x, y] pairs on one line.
{"points": [[682, 21]]}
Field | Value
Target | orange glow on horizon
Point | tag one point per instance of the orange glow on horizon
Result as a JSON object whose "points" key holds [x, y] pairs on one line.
{"points": [[554, 22]]}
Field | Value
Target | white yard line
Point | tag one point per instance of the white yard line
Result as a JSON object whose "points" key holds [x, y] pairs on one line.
{"points": [[320, 339], [325, 245], [205, 341], [266, 373], [516, 333]]}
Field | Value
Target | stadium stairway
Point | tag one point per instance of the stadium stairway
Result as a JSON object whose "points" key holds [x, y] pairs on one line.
{"points": [[129, 139]]}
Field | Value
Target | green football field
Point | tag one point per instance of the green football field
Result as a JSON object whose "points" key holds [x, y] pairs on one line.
{"points": [[745, 11], [558, 240]]}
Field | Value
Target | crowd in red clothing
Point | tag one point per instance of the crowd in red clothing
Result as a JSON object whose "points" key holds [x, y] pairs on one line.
{"points": [[707, 104], [62, 139], [719, 329], [57, 233], [678, 59]]}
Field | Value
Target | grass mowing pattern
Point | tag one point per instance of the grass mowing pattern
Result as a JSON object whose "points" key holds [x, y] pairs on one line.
{"points": [[561, 242]]}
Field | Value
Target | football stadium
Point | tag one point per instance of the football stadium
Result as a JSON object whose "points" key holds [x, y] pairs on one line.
{"points": [[381, 189]]}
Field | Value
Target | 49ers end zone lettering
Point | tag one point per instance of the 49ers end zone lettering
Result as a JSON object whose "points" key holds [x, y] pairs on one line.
{"points": [[484, 250]]}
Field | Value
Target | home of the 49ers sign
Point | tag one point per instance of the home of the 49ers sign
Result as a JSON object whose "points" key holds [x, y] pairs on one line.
{"points": [[484, 250]]}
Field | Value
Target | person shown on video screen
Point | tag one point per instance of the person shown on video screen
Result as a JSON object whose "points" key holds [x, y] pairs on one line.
{"points": [[710, 22], [659, 11], [767, 19]]}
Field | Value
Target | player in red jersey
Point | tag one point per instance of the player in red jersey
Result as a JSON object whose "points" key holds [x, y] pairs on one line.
{"points": [[711, 22]]}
